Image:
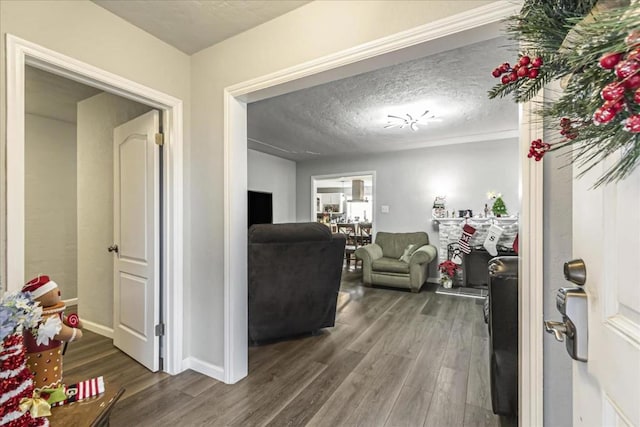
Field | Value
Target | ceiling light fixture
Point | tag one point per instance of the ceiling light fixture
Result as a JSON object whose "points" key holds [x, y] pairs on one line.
{"points": [[410, 121]]}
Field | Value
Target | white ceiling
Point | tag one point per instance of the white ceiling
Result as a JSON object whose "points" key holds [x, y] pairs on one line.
{"points": [[52, 96], [348, 116], [192, 25]]}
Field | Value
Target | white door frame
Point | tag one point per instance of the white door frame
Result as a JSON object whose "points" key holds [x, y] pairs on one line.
{"points": [[235, 173], [21, 52]]}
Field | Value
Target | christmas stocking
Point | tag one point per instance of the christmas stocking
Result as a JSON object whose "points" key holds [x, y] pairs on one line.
{"points": [[467, 232], [493, 235], [82, 390]]}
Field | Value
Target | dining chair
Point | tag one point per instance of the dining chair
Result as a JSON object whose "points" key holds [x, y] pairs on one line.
{"points": [[349, 230], [365, 233]]}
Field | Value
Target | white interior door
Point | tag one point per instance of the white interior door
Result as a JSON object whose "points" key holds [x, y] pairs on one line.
{"points": [[136, 231], [606, 234]]}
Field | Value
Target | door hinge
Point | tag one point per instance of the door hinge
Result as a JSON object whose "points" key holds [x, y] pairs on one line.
{"points": [[159, 139], [160, 330]]}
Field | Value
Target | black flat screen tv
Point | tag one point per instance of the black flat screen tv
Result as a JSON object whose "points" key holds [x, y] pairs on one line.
{"points": [[260, 208]]}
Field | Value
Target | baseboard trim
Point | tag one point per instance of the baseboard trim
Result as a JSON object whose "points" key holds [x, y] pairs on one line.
{"points": [[205, 368], [70, 301], [97, 328]]}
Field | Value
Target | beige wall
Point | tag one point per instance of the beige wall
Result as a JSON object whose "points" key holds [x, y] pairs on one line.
{"points": [[309, 32], [50, 201], [97, 117]]}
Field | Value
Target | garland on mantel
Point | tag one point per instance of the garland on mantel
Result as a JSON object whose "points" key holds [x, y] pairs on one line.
{"points": [[593, 48]]}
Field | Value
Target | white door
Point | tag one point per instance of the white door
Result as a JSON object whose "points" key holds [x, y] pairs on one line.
{"points": [[606, 234], [136, 233]]}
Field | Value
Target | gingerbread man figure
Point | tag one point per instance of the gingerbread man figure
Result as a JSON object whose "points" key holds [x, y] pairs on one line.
{"points": [[45, 359]]}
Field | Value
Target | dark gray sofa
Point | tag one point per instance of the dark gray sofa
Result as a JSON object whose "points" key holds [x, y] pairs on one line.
{"points": [[294, 279]]}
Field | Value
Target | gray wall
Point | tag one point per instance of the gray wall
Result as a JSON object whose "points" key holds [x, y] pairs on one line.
{"points": [[558, 195], [50, 202], [408, 181], [274, 175], [97, 116]]}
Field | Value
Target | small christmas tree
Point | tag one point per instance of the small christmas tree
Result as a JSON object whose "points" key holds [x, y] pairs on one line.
{"points": [[499, 209]]}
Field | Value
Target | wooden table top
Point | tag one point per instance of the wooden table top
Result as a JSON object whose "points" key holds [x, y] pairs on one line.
{"points": [[90, 412]]}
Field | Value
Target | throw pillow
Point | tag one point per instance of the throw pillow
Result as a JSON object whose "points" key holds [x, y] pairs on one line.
{"points": [[406, 256]]}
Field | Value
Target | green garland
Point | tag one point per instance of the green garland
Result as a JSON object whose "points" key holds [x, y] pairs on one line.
{"points": [[573, 39]]}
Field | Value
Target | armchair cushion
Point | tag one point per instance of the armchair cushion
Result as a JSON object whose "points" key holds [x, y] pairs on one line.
{"points": [[391, 265]]}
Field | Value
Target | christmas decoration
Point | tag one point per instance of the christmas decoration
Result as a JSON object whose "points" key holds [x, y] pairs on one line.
{"points": [[19, 405], [448, 271], [82, 390], [593, 48], [537, 149], [493, 235], [44, 358], [467, 232], [499, 209]]}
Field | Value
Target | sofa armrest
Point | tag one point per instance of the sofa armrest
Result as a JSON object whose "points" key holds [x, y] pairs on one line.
{"points": [[369, 253], [426, 253]]}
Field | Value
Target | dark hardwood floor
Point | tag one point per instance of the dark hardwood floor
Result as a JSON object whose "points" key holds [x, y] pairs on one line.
{"points": [[394, 358]]}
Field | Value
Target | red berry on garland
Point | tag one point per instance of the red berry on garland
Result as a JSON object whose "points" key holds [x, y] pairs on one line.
{"points": [[633, 39], [537, 149], [614, 106], [505, 79], [537, 62], [523, 71], [634, 55], [505, 67], [525, 60], [609, 60], [632, 124], [533, 73], [625, 69], [612, 91], [603, 115], [496, 72], [636, 96], [513, 76], [632, 82]]}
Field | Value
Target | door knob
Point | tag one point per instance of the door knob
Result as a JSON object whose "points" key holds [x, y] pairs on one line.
{"points": [[576, 272], [113, 248]]}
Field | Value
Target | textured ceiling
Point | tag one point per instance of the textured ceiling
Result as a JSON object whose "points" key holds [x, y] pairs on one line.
{"points": [[192, 25], [52, 96], [348, 116]]}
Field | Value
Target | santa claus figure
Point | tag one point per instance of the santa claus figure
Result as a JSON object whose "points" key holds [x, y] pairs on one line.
{"points": [[44, 357]]}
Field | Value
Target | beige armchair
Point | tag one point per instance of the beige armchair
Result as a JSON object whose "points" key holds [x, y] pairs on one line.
{"points": [[397, 259]]}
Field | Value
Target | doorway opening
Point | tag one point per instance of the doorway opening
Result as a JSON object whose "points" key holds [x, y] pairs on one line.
{"points": [[343, 198], [22, 53], [530, 193]]}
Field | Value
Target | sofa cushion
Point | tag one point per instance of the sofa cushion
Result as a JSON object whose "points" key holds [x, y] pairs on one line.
{"points": [[394, 244], [391, 265]]}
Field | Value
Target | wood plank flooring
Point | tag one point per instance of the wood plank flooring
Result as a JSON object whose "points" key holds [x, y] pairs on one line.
{"points": [[394, 358]]}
